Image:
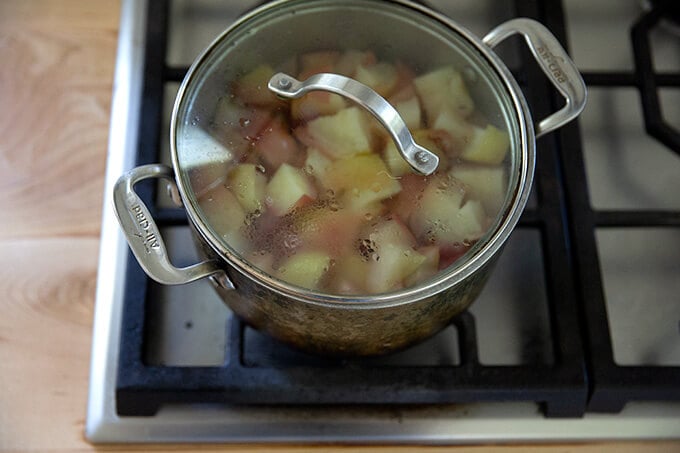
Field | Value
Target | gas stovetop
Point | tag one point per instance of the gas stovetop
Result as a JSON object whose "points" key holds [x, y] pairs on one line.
{"points": [[576, 336]]}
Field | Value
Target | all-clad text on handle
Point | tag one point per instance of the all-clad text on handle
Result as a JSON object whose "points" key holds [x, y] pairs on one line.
{"points": [[144, 237], [555, 63]]}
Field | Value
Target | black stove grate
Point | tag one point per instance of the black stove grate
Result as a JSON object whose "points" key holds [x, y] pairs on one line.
{"points": [[613, 385], [567, 387]]}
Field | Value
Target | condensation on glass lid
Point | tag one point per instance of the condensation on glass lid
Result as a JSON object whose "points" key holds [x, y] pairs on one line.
{"points": [[314, 192]]}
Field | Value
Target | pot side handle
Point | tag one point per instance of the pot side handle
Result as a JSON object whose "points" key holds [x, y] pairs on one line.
{"points": [[555, 63], [144, 237]]}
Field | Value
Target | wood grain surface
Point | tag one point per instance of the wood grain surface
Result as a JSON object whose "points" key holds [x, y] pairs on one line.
{"points": [[57, 60]]}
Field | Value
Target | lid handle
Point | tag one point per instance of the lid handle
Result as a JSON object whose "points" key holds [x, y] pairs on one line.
{"points": [[420, 159], [555, 63]]}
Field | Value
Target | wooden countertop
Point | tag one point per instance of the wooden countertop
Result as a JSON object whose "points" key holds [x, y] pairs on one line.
{"points": [[55, 89]]}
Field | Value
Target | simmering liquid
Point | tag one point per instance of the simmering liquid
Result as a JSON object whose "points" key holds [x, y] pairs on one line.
{"points": [[316, 193]]}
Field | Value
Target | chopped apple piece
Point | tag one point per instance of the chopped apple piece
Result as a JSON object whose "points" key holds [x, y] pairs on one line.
{"points": [[248, 184], [412, 189], [315, 104], [207, 176], [459, 131], [361, 180], [317, 61], [350, 60], [341, 135], [444, 88], [409, 110], [225, 215], [382, 77], [471, 221], [323, 226], [394, 258], [288, 185], [252, 89], [305, 268], [316, 163], [440, 219], [450, 253], [349, 274], [488, 146], [276, 145], [393, 231], [484, 183], [236, 126], [394, 160], [429, 267]]}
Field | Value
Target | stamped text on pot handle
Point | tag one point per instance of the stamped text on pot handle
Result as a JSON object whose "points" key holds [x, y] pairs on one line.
{"points": [[144, 237], [420, 159], [554, 61]]}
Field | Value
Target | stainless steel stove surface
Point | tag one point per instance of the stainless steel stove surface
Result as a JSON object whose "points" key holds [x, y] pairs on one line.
{"points": [[555, 275]]}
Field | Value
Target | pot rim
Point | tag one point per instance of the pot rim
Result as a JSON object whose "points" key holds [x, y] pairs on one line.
{"points": [[492, 241]]}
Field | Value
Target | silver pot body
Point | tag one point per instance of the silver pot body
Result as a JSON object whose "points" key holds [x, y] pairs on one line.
{"points": [[327, 323]]}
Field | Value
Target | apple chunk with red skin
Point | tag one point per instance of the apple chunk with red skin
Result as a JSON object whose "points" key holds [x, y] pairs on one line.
{"points": [[393, 257], [288, 185], [322, 226], [315, 104], [276, 145]]}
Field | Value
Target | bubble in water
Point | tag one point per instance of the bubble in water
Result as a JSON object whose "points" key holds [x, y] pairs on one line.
{"points": [[244, 122], [368, 216], [330, 193], [261, 168], [292, 241], [366, 248]]}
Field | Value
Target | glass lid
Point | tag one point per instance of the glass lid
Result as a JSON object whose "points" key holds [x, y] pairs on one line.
{"points": [[314, 190]]}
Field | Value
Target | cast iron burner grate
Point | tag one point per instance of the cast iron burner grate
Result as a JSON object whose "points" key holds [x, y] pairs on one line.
{"points": [[572, 383], [613, 385]]}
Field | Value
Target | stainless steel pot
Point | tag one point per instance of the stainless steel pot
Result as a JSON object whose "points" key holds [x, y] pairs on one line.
{"points": [[313, 320]]}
